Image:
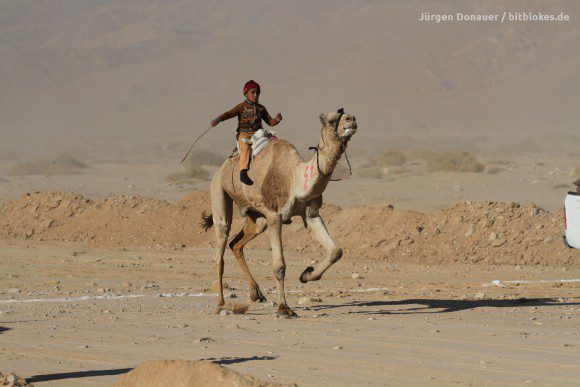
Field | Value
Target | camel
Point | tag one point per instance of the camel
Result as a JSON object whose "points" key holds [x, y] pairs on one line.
{"points": [[284, 186]]}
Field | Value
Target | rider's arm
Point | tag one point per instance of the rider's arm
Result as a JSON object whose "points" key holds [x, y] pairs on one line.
{"points": [[267, 118], [233, 112]]}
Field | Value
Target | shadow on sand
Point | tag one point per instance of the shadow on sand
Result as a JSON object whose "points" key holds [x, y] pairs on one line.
{"points": [[119, 371], [442, 306], [234, 360], [76, 375]]}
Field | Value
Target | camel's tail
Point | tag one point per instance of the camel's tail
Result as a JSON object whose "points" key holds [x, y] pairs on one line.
{"points": [[206, 221]]}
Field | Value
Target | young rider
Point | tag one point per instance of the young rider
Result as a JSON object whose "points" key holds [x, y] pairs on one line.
{"points": [[250, 115]]}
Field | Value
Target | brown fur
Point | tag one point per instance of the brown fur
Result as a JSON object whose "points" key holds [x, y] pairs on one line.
{"points": [[276, 186]]}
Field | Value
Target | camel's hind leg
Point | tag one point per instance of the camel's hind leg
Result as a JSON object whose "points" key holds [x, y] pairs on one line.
{"points": [[254, 226], [221, 205], [316, 224]]}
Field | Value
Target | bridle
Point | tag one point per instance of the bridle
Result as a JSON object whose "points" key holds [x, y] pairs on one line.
{"points": [[341, 140]]}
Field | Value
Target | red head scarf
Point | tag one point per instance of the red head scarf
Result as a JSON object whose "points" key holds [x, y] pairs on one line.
{"points": [[251, 84]]}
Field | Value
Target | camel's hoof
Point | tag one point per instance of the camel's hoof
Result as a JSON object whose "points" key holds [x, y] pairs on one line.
{"points": [[285, 311], [218, 309], [306, 271], [256, 295]]}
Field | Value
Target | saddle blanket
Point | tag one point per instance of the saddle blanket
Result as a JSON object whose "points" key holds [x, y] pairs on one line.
{"points": [[258, 141]]}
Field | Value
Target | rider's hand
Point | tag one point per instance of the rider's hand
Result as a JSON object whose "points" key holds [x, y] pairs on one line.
{"points": [[278, 117], [214, 122]]}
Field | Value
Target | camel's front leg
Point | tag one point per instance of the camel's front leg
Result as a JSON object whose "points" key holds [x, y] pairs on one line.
{"points": [[275, 227], [316, 224]]}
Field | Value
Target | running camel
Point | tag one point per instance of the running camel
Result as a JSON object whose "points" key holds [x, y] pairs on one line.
{"points": [[285, 185]]}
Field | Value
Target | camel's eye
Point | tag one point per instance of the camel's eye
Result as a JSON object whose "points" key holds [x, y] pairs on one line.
{"points": [[349, 118]]}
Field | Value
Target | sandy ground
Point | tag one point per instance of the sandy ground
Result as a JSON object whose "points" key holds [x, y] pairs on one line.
{"points": [[395, 324], [537, 179]]}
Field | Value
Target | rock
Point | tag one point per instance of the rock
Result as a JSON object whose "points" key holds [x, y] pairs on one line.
{"points": [[225, 312], [499, 242], [232, 295], [497, 283], [306, 300], [470, 231], [479, 296], [355, 276], [338, 347], [492, 236], [14, 290]]}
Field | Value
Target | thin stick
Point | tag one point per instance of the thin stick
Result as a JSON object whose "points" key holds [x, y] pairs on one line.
{"points": [[200, 136]]}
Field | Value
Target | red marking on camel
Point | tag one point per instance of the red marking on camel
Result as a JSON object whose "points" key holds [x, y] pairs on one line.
{"points": [[306, 178], [312, 168]]}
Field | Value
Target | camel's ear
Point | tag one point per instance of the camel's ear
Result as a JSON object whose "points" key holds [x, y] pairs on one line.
{"points": [[323, 119]]}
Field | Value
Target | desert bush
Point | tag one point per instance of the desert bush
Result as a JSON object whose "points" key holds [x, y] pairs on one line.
{"points": [[560, 186], [388, 158], [205, 157], [61, 165], [452, 161], [370, 172], [191, 171], [340, 172]]}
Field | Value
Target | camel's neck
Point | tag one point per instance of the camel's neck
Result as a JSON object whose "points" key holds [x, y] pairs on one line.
{"points": [[315, 173]]}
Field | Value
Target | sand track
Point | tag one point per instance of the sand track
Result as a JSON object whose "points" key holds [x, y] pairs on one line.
{"points": [[469, 232]]}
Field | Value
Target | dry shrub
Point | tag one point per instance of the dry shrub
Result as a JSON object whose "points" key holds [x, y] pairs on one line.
{"points": [[452, 161], [240, 308], [370, 172], [560, 186], [192, 170], [188, 176], [493, 170], [61, 165], [205, 157], [388, 158], [340, 172]]}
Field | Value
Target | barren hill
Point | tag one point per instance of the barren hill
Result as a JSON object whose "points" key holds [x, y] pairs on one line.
{"points": [[116, 77]]}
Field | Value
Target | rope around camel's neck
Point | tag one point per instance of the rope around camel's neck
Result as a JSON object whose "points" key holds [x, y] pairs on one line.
{"points": [[327, 156]]}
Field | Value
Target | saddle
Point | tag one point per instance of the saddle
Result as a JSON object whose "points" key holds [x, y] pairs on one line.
{"points": [[258, 141]]}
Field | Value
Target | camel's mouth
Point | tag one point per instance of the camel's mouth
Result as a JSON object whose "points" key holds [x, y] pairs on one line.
{"points": [[349, 130]]}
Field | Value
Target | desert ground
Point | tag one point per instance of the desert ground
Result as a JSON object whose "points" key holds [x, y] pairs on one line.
{"points": [[466, 292], [79, 315]]}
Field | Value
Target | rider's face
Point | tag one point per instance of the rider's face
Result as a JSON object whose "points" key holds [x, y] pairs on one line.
{"points": [[252, 95]]}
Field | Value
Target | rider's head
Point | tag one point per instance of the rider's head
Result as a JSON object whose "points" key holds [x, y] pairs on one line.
{"points": [[252, 91]]}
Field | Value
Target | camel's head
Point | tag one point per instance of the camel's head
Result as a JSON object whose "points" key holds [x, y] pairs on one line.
{"points": [[343, 129]]}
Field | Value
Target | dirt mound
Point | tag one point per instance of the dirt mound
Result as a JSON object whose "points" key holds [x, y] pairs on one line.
{"points": [[470, 232], [34, 215], [186, 373]]}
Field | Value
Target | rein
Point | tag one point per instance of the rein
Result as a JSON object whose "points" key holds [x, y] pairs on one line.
{"points": [[342, 143]]}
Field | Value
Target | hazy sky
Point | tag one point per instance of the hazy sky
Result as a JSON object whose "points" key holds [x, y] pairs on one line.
{"points": [[126, 76]]}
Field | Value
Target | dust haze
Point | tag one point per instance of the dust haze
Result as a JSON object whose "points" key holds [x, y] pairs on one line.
{"points": [[451, 220]]}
